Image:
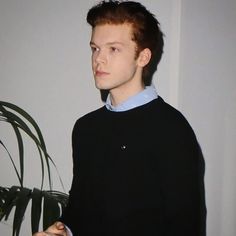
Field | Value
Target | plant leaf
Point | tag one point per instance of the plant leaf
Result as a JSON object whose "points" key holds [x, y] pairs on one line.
{"points": [[36, 209], [14, 119], [28, 118], [15, 168], [54, 203], [17, 122], [22, 201], [17, 198], [10, 201], [60, 197], [21, 153], [51, 210], [3, 198], [38, 138]]}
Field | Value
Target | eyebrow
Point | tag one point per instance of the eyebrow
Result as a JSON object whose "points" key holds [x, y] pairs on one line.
{"points": [[109, 43]]}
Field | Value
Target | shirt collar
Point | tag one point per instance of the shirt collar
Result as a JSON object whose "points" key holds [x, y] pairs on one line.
{"points": [[143, 97]]}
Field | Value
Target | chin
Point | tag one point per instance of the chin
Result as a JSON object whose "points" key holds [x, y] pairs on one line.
{"points": [[102, 86]]}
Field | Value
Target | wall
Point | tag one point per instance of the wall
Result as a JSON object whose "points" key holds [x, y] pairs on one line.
{"points": [[207, 96], [45, 69]]}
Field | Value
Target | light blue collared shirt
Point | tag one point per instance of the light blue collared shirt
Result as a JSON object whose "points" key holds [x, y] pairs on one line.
{"points": [[143, 97]]}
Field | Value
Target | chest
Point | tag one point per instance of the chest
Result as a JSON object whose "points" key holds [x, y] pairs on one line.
{"points": [[122, 156]]}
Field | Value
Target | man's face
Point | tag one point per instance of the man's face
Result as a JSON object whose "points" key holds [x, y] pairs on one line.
{"points": [[114, 61]]}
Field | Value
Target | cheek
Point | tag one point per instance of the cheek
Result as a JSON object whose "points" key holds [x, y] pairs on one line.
{"points": [[125, 61], [128, 65]]}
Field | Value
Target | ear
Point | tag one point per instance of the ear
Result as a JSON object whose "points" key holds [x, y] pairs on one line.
{"points": [[144, 57]]}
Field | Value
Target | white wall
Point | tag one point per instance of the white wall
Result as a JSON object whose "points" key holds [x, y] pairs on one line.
{"points": [[208, 98], [45, 69]]}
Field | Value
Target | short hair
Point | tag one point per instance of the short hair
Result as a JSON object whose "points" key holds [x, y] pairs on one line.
{"points": [[145, 27]]}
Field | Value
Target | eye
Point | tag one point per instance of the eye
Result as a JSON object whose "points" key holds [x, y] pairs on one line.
{"points": [[114, 49], [94, 49]]}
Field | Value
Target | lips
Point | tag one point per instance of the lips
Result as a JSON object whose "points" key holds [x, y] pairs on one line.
{"points": [[99, 73]]}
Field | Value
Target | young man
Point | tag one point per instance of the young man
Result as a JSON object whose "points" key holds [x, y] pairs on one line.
{"points": [[138, 169]]}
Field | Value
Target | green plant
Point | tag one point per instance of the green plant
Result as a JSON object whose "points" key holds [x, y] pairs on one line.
{"points": [[46, 203]]}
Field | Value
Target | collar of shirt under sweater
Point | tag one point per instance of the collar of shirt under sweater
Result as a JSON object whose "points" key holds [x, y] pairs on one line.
{"points": [[139, 99]]}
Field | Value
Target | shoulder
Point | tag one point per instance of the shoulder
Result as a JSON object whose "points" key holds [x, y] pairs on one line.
{"points": [[177, 140], [89, 119], [169, 116], [175, 133]]}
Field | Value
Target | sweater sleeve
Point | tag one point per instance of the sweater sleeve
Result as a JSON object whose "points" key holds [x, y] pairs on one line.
{"points": [[69, 216], [182, 177]]}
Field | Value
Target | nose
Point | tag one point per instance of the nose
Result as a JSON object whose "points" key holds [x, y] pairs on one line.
{"points": [[100, 57]]}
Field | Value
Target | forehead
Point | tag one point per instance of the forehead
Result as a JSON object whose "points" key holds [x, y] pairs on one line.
{"points": [[103, 34]]}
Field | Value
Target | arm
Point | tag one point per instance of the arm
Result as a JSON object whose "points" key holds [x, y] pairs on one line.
{"points": [[183, 184], [69, 216]]}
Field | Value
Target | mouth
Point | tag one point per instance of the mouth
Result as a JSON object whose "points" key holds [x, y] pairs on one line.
{"points": [[99, 73]]}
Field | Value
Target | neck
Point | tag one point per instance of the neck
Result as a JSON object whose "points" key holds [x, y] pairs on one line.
{"points": [[120, 96]]}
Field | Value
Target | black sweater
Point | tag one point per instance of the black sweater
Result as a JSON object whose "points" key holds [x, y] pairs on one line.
{"points": [[138, 172]]}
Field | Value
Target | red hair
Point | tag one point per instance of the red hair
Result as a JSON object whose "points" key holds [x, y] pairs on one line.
{"points": [[145, 27]]}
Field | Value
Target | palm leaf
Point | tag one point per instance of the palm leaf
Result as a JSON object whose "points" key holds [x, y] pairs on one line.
{"points": [[9, 198], [14, 166], [36, 209], [18, 197], [54, 203], [17, 122], [21, 153], [51, 210], [22, 201], [28, 118]]}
